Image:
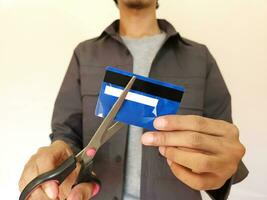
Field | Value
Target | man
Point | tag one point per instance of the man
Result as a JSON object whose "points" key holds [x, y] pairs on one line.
{"points": [[197, 149]]}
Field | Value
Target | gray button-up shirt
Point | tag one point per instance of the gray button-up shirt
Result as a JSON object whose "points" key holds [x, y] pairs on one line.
{"points": [[179, 61]]}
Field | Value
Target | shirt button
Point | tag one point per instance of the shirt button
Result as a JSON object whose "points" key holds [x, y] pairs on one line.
{"points": [[118, 159]]}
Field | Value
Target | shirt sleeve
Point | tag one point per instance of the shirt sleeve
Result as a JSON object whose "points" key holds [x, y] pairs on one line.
{"points": [[217, 105], [67, 115]]}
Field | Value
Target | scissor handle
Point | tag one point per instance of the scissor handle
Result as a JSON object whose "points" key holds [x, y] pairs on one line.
{"points": [[86, 174], [59, 174]]}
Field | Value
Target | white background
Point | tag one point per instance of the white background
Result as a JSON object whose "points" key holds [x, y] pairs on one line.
{"points": [[36, 42]]}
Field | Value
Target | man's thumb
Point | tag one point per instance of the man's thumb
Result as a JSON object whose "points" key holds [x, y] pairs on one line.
{"points": [[51, 189]]}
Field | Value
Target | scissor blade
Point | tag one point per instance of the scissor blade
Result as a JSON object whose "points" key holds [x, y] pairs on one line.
{"points": [[95, 142], [111, 131]]}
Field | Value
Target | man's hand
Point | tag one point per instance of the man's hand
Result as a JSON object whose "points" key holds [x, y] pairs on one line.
{"points": [[46, 159], [203, 153]]}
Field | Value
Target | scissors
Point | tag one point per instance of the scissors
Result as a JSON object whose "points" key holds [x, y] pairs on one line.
{"points": [[103, 134]]}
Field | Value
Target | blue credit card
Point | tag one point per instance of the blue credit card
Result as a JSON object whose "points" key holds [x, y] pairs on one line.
{"points": [[147, 99]]}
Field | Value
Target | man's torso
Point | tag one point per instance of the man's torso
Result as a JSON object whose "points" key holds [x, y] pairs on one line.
{"points": [[178, 63]]}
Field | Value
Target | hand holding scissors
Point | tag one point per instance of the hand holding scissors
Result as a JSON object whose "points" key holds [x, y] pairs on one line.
{"points": [[84, 157]]}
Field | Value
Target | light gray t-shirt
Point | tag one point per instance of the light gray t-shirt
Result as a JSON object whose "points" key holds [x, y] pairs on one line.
{"points": [[143, 51]]}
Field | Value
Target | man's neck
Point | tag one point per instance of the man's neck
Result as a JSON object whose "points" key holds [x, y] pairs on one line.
{"points": [[136, 23]]}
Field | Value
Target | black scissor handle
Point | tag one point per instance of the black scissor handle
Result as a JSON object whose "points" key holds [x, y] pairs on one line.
{"points": [[59, 174], [86, 174]]}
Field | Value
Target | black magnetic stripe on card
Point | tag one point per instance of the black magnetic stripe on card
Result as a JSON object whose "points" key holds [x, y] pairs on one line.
{"points": [[144, 86]]}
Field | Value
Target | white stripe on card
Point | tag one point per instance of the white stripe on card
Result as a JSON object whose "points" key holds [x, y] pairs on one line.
{"points": [[138, 98]]}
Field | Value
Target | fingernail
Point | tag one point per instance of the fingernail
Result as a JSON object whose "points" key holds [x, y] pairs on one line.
{"points": [[159, 123], [148, 138], [96, 189], [90, 152], [49, 192], [169, 162], [162, 150]]}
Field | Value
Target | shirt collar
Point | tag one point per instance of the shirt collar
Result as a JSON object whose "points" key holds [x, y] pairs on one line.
{"points": [[113, 31]]}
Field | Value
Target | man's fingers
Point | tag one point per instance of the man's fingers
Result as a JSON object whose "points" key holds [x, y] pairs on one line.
{"points": [[51, 189], [202, 181], [48, 189], [188, 139], [38, 194], [38, 164], [197, 162], [83, 191], [195, 123], [45, 159], [30, 171]]}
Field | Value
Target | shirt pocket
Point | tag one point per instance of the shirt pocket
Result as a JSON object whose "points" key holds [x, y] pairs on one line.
{"points": [[91, 79], [193, 99]]}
